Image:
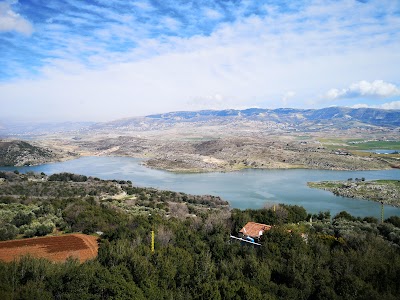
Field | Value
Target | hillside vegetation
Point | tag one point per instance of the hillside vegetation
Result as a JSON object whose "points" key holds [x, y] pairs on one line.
{"points": [[20, 153], [342, 258], [36, 204]]}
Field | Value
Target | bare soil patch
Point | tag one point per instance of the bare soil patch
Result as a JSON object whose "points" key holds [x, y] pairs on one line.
{"points": [[54, 248]]}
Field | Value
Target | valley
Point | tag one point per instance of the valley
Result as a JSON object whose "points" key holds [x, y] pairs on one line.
{"points": [[229, 140], [199, 153]]}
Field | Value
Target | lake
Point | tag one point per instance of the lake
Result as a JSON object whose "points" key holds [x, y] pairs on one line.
{"points": [[382, 151], [243, 189]]}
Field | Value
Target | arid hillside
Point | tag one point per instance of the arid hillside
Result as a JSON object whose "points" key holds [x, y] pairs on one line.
{"points": [[21, 153]]}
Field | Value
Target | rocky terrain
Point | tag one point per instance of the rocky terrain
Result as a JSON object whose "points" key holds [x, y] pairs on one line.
{"points": [[20, 153], [169, 152], [386, 191]]}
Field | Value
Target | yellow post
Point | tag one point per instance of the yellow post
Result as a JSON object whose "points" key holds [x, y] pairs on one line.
{"points": [[152, 241], [274, 208]]}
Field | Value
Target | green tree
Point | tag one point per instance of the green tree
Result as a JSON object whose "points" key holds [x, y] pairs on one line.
{"points": [[8, 232]]}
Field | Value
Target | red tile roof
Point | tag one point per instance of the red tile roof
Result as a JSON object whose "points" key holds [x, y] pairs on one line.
{"points": [[254, 229]]}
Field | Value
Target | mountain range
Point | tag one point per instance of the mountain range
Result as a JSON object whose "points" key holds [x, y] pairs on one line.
{"points": [[290, 118], [377, 117]]}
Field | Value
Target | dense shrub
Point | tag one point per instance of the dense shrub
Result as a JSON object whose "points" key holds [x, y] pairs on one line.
{"points": [[8, 232], [23, 218], [67, 177], [395, 220]]}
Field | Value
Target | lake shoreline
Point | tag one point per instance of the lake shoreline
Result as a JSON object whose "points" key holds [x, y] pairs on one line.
{"points": [[178, 170], [247, 188], [381, 191]]}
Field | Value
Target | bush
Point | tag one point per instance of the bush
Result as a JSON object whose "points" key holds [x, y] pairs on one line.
{"points": [[345, 215], [67, 177], [31, 232], [8, 232], [22, 218], [44, 229], [296, 213], [395, 220], [371, 220]]}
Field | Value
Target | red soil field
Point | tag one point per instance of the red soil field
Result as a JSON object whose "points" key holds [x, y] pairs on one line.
{"points": [[54, 248]]}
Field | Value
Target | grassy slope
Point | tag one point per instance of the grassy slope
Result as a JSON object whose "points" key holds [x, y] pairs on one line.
{"points": [[359, 144]]}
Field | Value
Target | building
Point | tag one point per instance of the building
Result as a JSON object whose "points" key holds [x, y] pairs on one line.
{"points": [[254, 230]]}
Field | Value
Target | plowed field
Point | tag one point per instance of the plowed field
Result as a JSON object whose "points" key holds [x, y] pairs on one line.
{"points": [[54, 248]]}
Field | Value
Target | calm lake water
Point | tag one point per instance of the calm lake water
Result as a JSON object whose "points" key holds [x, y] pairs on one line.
{"points": [[382, 151], [243, 189]]}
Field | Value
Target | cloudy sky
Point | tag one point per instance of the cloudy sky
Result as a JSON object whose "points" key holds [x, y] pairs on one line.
{"points": [[106, 59]]}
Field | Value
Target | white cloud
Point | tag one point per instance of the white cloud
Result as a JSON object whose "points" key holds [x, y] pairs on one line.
{"points": [[388, 105], [212, 14], [11, 21], [361, 105], [286, 97], [391, 105], [375, 89], [215, 101], [171, 23], [143, 5]]}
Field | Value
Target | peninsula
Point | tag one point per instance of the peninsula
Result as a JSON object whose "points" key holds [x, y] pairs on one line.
{"points": [[386, 191]]}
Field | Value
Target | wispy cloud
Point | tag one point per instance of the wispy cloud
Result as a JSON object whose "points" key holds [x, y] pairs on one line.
{"points": [[286, 96], [375, 89], [388, 105], [216, 101], [12, 21], [135, 57], [212, 14], [288, 32], [144, 5]]}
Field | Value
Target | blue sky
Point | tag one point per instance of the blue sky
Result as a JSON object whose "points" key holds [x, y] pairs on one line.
{"points": [[101, 60]]}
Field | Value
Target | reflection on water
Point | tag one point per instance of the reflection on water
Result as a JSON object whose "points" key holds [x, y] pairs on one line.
{"points": [[244, 189]]}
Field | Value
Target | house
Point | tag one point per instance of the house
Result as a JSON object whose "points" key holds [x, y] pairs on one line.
{"points": [[254, 230]]}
